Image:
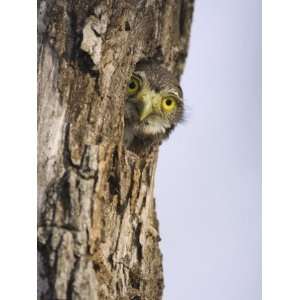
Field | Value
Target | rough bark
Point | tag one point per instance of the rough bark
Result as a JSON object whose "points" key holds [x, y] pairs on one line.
{"points": [[98, 233]]}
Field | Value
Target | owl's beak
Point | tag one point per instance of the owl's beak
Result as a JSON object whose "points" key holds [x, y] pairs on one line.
{"points": [[145, 111], [146, 107]]}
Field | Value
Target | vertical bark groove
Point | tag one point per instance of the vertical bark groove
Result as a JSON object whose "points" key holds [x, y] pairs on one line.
{"points": [[98, 235]]}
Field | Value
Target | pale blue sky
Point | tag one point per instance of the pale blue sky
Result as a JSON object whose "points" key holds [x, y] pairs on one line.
{"points": [[208, 181]]}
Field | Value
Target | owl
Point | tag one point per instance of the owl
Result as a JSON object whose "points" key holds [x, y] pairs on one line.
{"points": [[154, 106]]}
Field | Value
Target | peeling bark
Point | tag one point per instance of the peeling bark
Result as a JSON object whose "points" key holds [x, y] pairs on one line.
{"points": [[98, 235]]}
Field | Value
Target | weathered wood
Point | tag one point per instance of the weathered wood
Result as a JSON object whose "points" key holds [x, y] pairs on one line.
{"points": [[97, 230]]}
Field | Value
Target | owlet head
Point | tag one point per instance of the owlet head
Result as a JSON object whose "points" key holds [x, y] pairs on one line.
{"points": [[154, 105]]}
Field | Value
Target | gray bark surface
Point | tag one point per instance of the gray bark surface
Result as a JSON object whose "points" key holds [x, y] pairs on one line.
{"points": [[98, 235]]}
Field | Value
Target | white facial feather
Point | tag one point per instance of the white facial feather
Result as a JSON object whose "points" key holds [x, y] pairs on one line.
{"points": [[156, 125]]}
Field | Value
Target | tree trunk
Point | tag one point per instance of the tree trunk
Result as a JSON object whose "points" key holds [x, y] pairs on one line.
{"points": [[97, 228]]}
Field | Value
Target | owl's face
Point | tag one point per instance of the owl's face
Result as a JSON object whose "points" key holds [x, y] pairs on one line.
{"points": [[154, 104]]}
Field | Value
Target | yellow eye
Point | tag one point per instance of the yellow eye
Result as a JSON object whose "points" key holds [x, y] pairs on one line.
{"points": [[133, 85], [169, 104]]}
